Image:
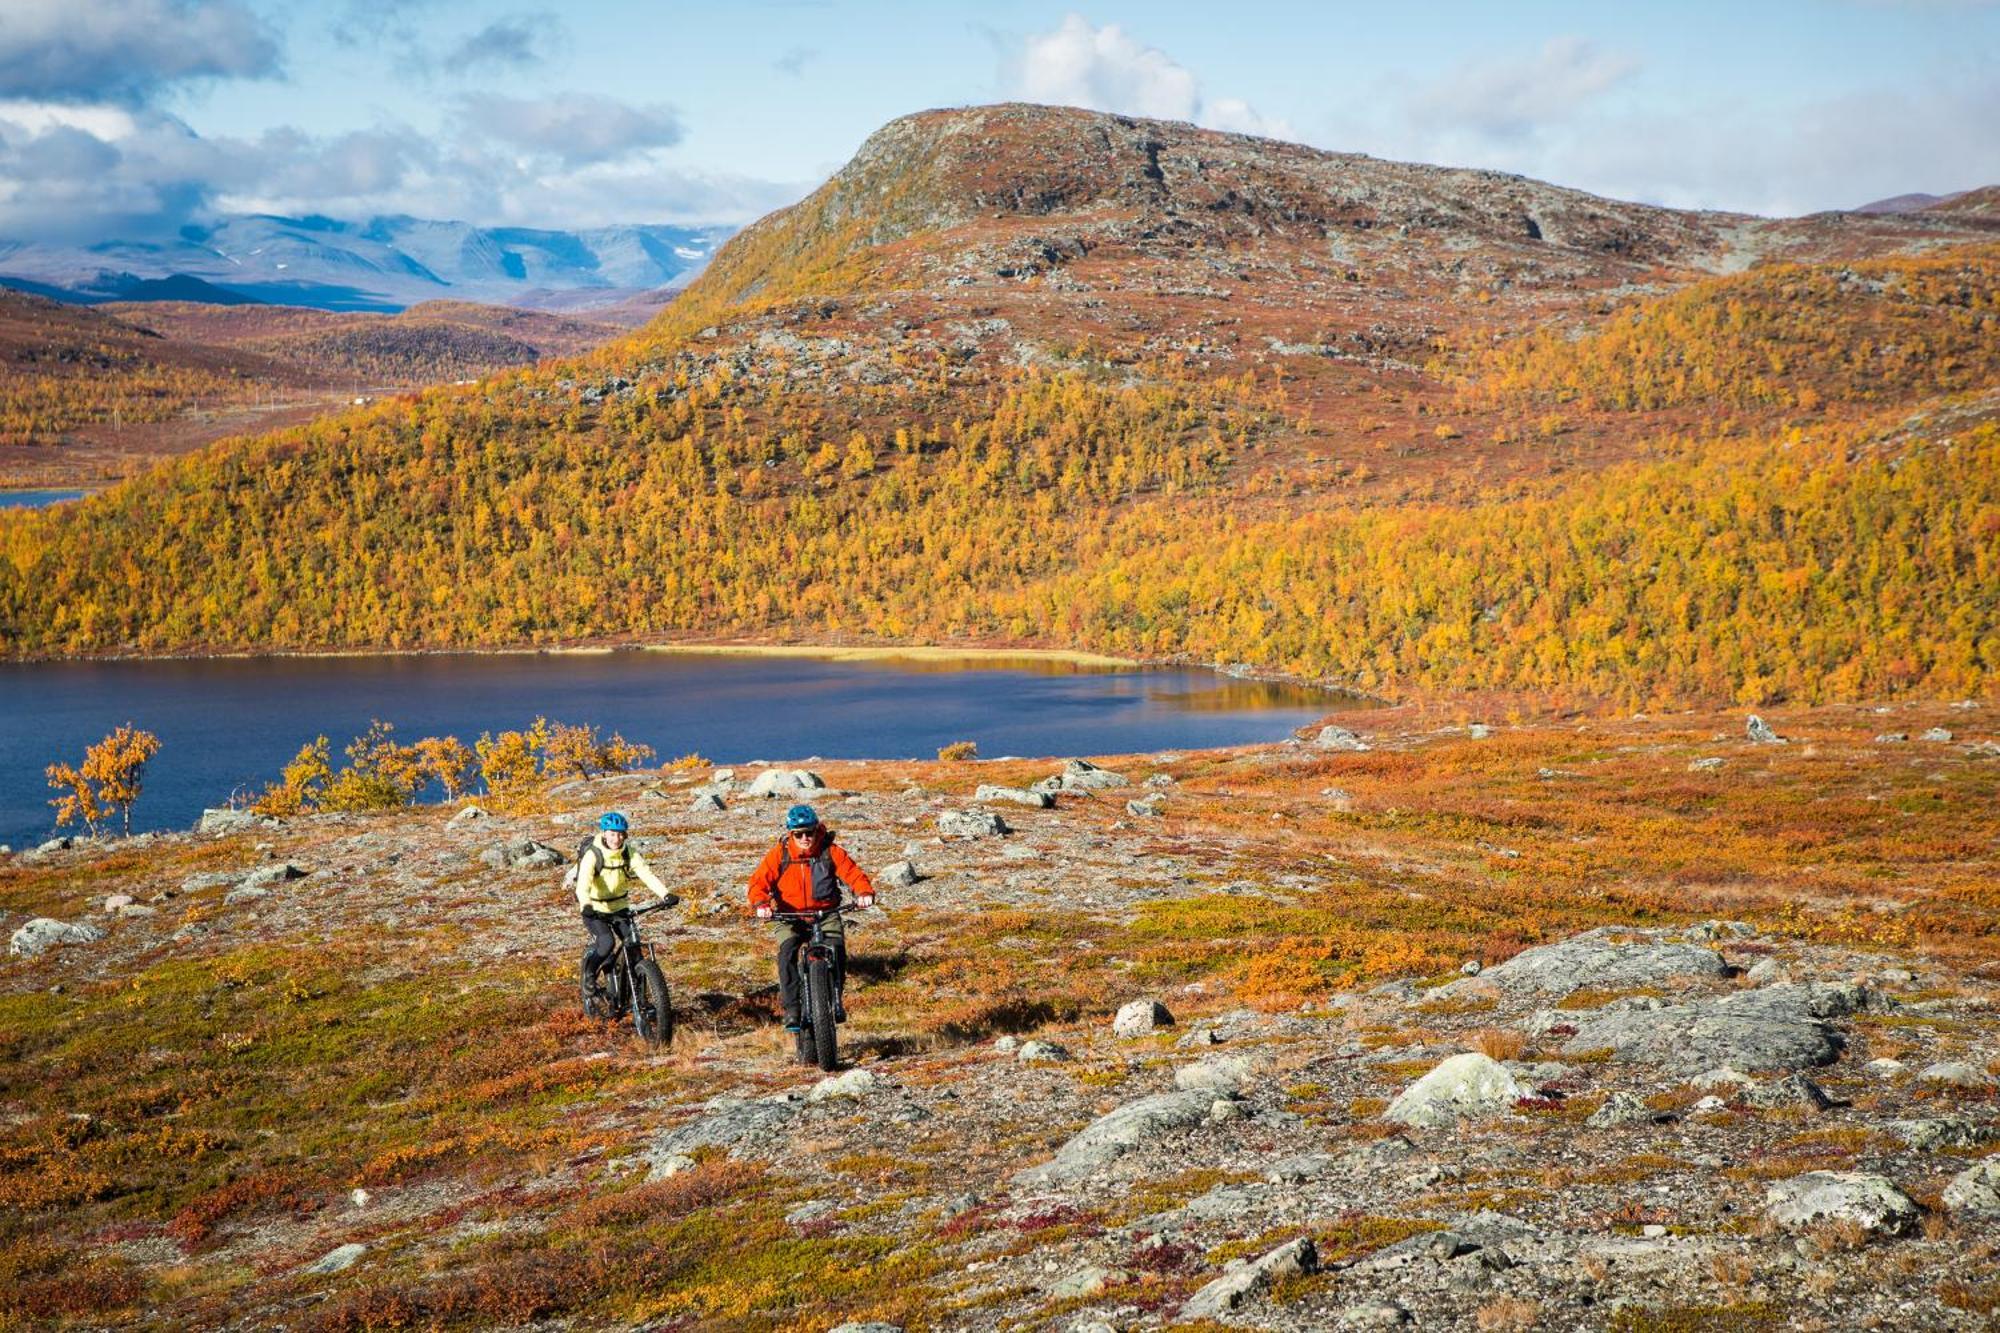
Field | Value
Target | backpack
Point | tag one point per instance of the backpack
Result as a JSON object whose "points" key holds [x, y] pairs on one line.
{"points": [[575, 873], [825, 883]]}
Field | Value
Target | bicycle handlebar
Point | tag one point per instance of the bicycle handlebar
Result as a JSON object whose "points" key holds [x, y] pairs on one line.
{"points": [[671, 900], [836, 910]]}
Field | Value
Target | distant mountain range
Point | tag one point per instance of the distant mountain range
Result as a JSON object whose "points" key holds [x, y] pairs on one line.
{"points": [[386, 264]]}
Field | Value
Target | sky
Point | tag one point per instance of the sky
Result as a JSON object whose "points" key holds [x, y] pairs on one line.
{"points": [[133, 118]]}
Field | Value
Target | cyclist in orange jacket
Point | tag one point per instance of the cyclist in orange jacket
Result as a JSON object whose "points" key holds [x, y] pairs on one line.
{"points": [[803, 875]]}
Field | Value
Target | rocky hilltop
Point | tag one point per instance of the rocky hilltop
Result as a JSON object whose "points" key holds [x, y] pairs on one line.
{"points": [[1638, 1025]]}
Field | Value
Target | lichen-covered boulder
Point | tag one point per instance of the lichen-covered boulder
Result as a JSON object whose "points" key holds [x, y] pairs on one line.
{"points": [[1464, 1086]]}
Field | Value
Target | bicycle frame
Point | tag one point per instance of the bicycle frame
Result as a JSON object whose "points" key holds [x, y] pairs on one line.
{"points": [[629, 950], [818, 946]]}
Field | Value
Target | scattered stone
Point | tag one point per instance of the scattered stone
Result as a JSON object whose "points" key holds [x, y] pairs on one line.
{"points": [[1225, 1109], [853, 1083], [1226, 1293], [870, 1326], [1305, 1166], [1793, 1092], [44, 933], [785, 781], [1339, 798], [1007, 1044], [1082, 1284], [1600, 959], [1471, 967], [116, 901], [1885, 1068], [1975, 1191], [898, 875], [1724, 1078], [1868, 1201], [728, 1123], [359, 1197], [1955, 1074], [1339, 738], [223, 821], [1767, 972], [1140, 1017], [337, 1260], [1374, 1314], [1892, 738], [1621, 1108], [1775, 1028], [971, 824], [1944, 1132], [1479, 731], [1760, 733], [1708, 765], [1082, 775], [1708, 1105], [1118, 1132], [469, 815], [522, 854], [1038, 800], [1042, 1052], [1463, 1086], [1222, 1073], [1159, 780], [1941, 735], [56, 844], [1150, 807], [265, 876], [249, 893]]}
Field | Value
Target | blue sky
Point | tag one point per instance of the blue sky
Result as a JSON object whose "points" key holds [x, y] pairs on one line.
{"points": [[127, 116]]}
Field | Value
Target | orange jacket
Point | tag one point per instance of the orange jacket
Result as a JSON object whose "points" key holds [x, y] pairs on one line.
{"points": [[813, 878]]}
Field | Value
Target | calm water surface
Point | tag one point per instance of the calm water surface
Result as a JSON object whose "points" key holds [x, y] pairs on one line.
{"points": [[35, 499], [230, 725]]}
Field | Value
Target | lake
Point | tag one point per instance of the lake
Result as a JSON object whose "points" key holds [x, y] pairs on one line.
{"points": [[35, 499], [229, 725]]}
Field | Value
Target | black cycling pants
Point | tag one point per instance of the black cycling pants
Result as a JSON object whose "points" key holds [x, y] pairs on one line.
{"points": [[603, 940], [788, 962]]}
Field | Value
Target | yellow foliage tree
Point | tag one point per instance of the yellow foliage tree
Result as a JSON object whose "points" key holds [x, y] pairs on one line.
{"points": [[111, 778]]}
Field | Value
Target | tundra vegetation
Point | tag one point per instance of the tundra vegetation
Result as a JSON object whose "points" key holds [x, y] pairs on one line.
{"points": [[195, 1101], [1702, 1012]]}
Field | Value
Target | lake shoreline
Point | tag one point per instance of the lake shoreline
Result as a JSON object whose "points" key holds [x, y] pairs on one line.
{"points": [[832, 652]]}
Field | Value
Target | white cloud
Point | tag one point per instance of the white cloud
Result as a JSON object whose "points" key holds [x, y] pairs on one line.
{"points": [[1106, 69], [573, 128], [1510, 97], [74, 174], [126, 51], [519, 42], [1833, 153]]}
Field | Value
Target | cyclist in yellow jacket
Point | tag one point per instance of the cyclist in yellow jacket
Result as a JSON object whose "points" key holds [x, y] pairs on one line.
{"points": [[603, 880]]}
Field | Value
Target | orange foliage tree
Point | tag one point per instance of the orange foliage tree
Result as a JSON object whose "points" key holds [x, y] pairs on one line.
{"points": [[111, 778]]}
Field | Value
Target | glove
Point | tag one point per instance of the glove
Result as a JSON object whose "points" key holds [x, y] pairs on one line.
{"points": [[864, 900], [671, 900], [763, 911]]}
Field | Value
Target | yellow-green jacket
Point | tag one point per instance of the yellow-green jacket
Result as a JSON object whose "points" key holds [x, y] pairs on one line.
{"points": [[603, 878]]}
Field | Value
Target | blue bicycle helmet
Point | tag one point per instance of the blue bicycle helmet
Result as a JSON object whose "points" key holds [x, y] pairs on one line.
{"points": [[801, 817], [613, 822]]}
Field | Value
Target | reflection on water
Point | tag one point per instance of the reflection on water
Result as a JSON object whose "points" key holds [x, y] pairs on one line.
{"points": [[1234, 695], [231, 724]]}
